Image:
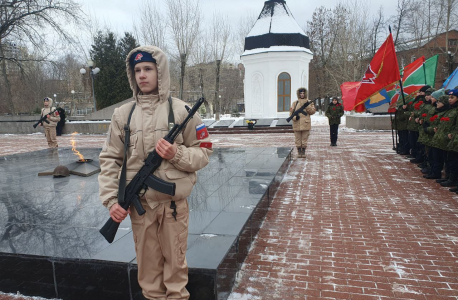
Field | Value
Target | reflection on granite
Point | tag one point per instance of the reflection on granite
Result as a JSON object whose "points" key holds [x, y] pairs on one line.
{"points": [[49, 226]]}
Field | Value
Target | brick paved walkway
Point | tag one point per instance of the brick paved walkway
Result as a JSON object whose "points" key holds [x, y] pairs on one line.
{"points": [[355, 221]]}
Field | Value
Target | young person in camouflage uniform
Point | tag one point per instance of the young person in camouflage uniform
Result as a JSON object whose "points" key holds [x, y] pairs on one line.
{"points": [[399, 123], [412, 125], [423, 112], [334, 112], [447, 131], [302, 124], [50, 126], [160, 235], [435, 156]]}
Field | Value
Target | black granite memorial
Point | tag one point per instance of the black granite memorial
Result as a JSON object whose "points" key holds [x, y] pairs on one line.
{"points": [[49, 240]]}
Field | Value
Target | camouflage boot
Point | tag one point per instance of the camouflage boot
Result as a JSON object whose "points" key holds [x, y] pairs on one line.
{"points": [[303, 152]]}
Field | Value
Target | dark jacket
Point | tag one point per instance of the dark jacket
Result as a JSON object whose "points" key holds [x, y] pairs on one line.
{"points": [[334, 113], [61, 111], [400, 119]]}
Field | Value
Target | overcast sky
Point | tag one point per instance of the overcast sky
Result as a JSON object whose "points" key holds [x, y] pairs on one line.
{"points": [[119, 15]]}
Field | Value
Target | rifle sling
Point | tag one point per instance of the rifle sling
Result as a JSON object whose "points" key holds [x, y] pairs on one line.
{"points": [[122, 179]]}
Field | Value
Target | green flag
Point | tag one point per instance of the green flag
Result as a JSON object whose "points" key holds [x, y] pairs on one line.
{"points": [[421, 76]]}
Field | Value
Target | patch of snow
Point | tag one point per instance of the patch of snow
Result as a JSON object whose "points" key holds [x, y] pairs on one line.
{"points": [[237, 296], [208, 236], [89, 121], [276, 49], [19, 295], [403, 289], [281, 21]]}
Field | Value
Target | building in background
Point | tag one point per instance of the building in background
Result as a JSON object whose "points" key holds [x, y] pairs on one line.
{"points": [[276, 61]]}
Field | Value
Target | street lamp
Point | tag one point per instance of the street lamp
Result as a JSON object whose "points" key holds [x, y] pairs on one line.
{"points": [[94, 71], [73, 103], [55, 99]]}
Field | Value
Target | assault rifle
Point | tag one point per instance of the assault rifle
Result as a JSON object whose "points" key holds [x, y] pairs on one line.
{"points": [[44, 119], [145, 178], [300, 110]]}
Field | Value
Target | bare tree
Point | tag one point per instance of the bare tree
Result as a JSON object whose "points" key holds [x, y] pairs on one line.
{"points": [[377, 25], [201, 56], [322, 42], [220, 35], [341, 40], [245, 24], [152, 26], [185, 19], [402, 11], [23, 22]]}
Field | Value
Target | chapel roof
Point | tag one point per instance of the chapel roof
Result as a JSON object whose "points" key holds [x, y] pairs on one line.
{"points": [[276, 26]]}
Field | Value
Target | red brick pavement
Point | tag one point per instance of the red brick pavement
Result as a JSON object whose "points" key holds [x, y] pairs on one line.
{"points": [[355, 221]]}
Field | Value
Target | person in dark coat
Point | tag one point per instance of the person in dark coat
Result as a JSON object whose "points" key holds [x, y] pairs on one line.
{"points": [[334, 112], [400, 125], [61, 123]]}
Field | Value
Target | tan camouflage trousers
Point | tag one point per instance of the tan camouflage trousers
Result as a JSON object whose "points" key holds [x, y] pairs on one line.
{"points": [[160, 243], [301, 138], [50, 133]]}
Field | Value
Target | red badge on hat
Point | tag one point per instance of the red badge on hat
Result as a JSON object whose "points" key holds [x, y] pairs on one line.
{"points": [[138, 57]]}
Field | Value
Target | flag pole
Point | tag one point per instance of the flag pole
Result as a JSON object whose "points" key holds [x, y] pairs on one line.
{"points": [[400, 81], [392, 129], [424, 72], [395, 146]]}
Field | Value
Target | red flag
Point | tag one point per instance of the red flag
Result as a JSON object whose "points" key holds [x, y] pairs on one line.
{"points": [[381, 72], [349, 90]]}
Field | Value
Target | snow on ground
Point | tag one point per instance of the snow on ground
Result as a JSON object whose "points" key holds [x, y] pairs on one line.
{"points": [[317, 119], [18, 296]]}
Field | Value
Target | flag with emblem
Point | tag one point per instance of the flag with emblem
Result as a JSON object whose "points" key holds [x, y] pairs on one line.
{"points": [[381, 72], [201, 131]]}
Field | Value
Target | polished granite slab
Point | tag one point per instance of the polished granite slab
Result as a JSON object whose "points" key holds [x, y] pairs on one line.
{"points": [[49, 240]]}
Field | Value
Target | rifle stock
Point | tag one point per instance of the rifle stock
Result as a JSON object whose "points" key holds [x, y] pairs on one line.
{"points": [[144, 178]]}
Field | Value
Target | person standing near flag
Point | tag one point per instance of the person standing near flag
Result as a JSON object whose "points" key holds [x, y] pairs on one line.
{"points": [[420, 115], [413, 108], [432, 128], [400, 124], [427, 132], [160, 235], [445, 133], [302, 122], [334, 112]]}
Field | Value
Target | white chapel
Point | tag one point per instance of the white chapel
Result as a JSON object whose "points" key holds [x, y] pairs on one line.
{"points": [[276, 61]]}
